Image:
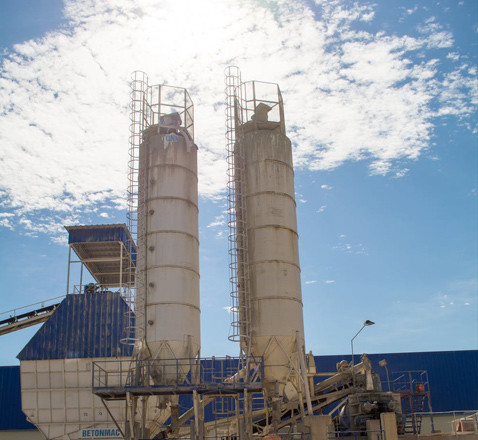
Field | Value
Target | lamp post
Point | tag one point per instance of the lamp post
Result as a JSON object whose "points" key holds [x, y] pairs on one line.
{"points": [[365, 324]]}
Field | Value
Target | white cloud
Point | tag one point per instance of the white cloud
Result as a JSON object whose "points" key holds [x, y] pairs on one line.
{"points": [[6, 220], [453, 56], [322, 209], [329, 281], [425, 312], [458, 293], [219, 220], [327, 187], [402, 172], [104, 215], [311, 282], [349, 94], [349, 248]]}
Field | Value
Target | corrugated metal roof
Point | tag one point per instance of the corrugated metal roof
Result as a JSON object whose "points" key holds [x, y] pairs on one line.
{"points": [[98, 232], [11, 415], [452, 375], [83, 326]]}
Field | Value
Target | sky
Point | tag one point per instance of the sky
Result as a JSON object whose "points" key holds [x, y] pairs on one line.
{"points": [[380, 104]]}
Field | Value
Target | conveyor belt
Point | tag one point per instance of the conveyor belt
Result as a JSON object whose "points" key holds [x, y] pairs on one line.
{"points": [[33, 317]]}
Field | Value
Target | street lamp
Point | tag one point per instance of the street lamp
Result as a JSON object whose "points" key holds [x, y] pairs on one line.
{"points": [[365, 324]]}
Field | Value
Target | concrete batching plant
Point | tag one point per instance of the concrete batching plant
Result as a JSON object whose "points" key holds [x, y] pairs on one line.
{"points": [[156, 385]]}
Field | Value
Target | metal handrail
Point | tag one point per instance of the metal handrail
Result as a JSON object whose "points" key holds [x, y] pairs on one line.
{"points": [[42, 304], [181, 372]]}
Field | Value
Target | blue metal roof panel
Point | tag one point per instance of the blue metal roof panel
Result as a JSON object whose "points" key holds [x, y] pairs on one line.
{"points": [[98, 233], [102, 234], [83, 326], [11, 415], [452, 375]]}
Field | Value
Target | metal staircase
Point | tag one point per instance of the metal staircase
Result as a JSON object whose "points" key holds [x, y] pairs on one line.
{"points": [[414, 390], [413, 406]]}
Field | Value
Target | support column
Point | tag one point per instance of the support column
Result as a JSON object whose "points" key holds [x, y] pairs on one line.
{"points": [[318, 426], [174, 418], [245, 423], [373, 429], [197, 428], [389, 426], [301, 353]]}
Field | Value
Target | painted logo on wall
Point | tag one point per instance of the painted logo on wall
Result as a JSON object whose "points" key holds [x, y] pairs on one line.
{"points": [[100, 433]]}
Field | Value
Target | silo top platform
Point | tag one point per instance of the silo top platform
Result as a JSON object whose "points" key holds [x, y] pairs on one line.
{"points": [[107, 251]]}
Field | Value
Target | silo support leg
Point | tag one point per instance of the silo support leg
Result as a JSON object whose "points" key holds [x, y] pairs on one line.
{"points": [[276, 416], [198, 417], [144, 430], [301, 404], [247, 417], [174, 419], [130, 415], [301, 354]]}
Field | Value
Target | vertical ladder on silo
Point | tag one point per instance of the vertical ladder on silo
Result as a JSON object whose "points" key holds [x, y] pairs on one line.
{"points": [[238, 242]]}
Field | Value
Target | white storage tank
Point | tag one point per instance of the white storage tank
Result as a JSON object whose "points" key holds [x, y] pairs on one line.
{"points": [[164, 193], [264, 159], [169, 161]]}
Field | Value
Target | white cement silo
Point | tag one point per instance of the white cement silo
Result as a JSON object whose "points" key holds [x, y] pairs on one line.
{"points": [[172, 244], [264, 160], [163, 172]]}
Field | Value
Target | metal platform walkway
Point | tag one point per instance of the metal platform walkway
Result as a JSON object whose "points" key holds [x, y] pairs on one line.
{"points": [[113, 380]]}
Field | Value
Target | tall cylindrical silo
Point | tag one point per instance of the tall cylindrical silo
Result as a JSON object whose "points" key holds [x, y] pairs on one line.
{"points": [[172, 245], [277, 330], [167, 289], [163, 217]]}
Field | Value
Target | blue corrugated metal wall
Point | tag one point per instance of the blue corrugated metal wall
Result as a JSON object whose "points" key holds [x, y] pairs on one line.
{"points": [[11, 415], [452, 375], [83, 326]]}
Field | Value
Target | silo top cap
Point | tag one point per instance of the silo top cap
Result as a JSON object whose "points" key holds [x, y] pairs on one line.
{"points": [[260, 113], [171, 119]]}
